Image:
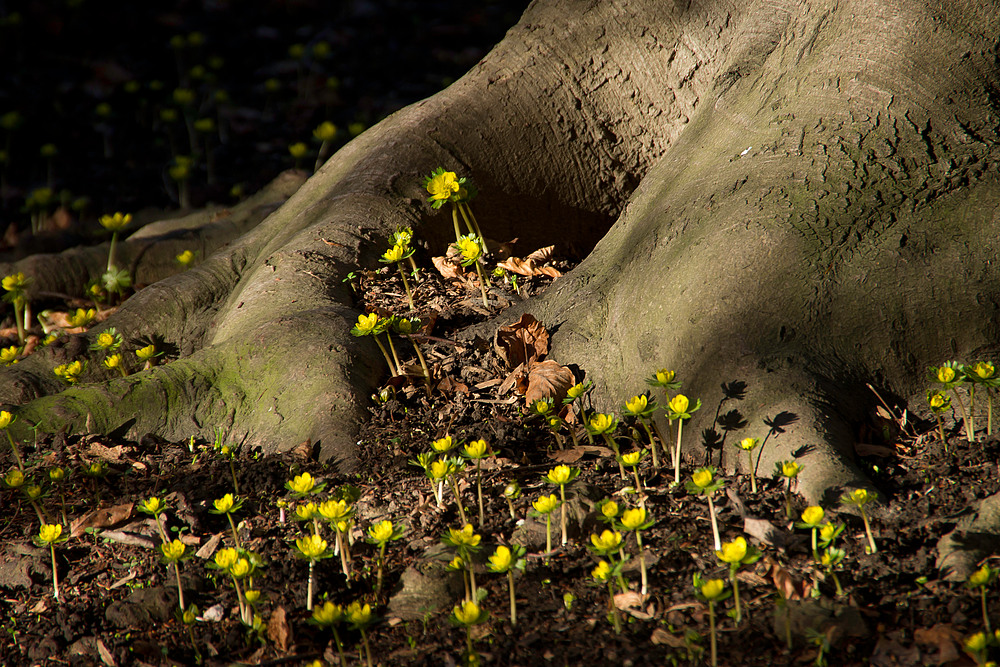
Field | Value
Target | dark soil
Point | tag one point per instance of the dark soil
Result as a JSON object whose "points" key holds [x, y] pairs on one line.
{"points": [[119, 604]]}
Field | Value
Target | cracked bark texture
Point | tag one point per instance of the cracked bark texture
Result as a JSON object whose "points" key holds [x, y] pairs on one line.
{"points": [[797, 195]]}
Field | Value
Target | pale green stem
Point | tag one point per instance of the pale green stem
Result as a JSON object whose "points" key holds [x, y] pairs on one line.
{"points": [[479, 493], [638, 482], [19, 319], [472, 576], [513, 598], [392, 348], [868, 530], [986, 616], [941, 433], [972, 412], [548, 532], [715, 524], [309, 587], [482, 284], [385, 354], [652, 443], [368, 650], [381, 561], [241, 602], [711, 632], [736, 595], [815, 549], [55, 572], [236, 534], [15, 451], [340, 646], [180, 589], [341, 548], [989, 412], [454, 219], [642, 562], [614, 447], [416, 271], [406, 283], [677, 453], [458, 499], [965, 414], [475, 225], [562, 499], [614, 609], [232, 472], [750, 472], [423, 364], [836, 580], [111, 250]]}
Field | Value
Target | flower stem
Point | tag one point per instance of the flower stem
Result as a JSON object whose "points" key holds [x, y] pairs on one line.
{"points": [[474, 227], [753, 476], [385, 354], [513, 599], [381, 560], [406, 284], [677, 456], [392, 348], [868, 530], [479, 493], [180, 589], [368, 650], [642, 562], [941, 433], [55, 572], [614, 610], [548, 532], [309, 587], [614, 447], [458, 499], [562, 522], [986, 616], [652, 443], [341, 547], [715, 524], [423, 364], [111, 250], [711, 632], [16, 451], [482, 284], [454, 219], [236, 535], [736, 596]]}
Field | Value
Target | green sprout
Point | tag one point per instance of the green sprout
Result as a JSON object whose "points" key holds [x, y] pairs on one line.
{"points": [[735, 554], [859, 498], [703, 482], [680, 409], [380, 535], [504, 561], [561, 476]]}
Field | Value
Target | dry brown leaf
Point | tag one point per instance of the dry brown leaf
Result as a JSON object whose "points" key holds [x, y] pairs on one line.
{"points": [[450, 385], [101, 518], [107, 453], [786, 584], [448, 268], [278, 629], [533, 264], [105, 654], [661, 636], [943, 636], [547, 379], [525, 340]]}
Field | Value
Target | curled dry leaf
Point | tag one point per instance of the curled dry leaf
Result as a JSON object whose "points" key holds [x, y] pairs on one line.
{"points": [[787, 586], [525, 340], [101, 518], [278, 629], [533, 264], [448, 267], [547, 379]]}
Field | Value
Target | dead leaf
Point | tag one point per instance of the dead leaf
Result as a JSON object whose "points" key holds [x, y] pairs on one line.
{"points": [[448, 268], [101, 518], [105, 654], [547, 379], [533, 264], [107, 453], [787, 586], [764, 531], [661, 636], [525, 340], [452, 386], [278, 629], [943, 636]]}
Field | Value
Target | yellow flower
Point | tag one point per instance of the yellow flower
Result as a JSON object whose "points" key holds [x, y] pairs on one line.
{"points": [[984, 370], [468, 613], [49, 533], [546, 504], [328, 614], [456, 564], [790, 469], [394, 254], [945, 374], [305, 512], [302, 484], [748, 443], [938, 401], [576, 391], [366, 324], [190, 616], [183, 96], [326, 131], [14, 479], [252, 596], [858, 497], [607, 541], [106, 340], [601, 423], [712, 589], [240, 568], [679, 404], [501, 560], [477, 449], [469, 248], [609, 509], [113, 361], [827, 532], [8, 355], [224, 505], [115, 222], [185, 258], [664, 377], [15, 282], [812, 516], [359, 615], [636, 405], [634, 518], [465, 537], [560, 475], [335, 510], [33, 492], [6, 419], [57, 474], [81, 317], [733, 552], [146, 353], [152, 506], [631, 459], [226, 558], [702, 477], [312, 546], [601, 572], [442, 468], [173, 551], [541, 406], [381, 532], [442, 445], [975, 643], [981, 577], [443, 185]]}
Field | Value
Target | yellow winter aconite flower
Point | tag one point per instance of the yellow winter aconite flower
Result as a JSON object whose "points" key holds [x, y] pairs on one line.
{"points": [[464, 537], [601, 423], [359, 615], [312, 546], [634, 518], [81, 317], [631, 459], [57, 474], [302, 484], [298, 149], [224, 504], [396, 253], [712, 589], [441, 468], [306, 512], [49, 533], [366, 324], [146, 353], [225, 558], [115, 222], [938, 401], [576, 391], [607, 541], [14, 479], [501, 559], [679, 404], [984, 370], [15, 282], [637, 404], [173, 551], [8, 355], [381, 532], [664, 377], [945, 374], [469, 247], [335, 510], [546, 504], [152, 506], [981, 577], [976, 643], [733, 552], [812, 516], [443, 185], [325, 131], [328, 614], [468, 613], [790, 469], [6, 419], [559, 475], [748, 443], [477, 449], [601, 572], [609, 509], [442, 445], [185, 258], [113, 361], [858, 497], [106, 341], [240, 568], [702, 477]]}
